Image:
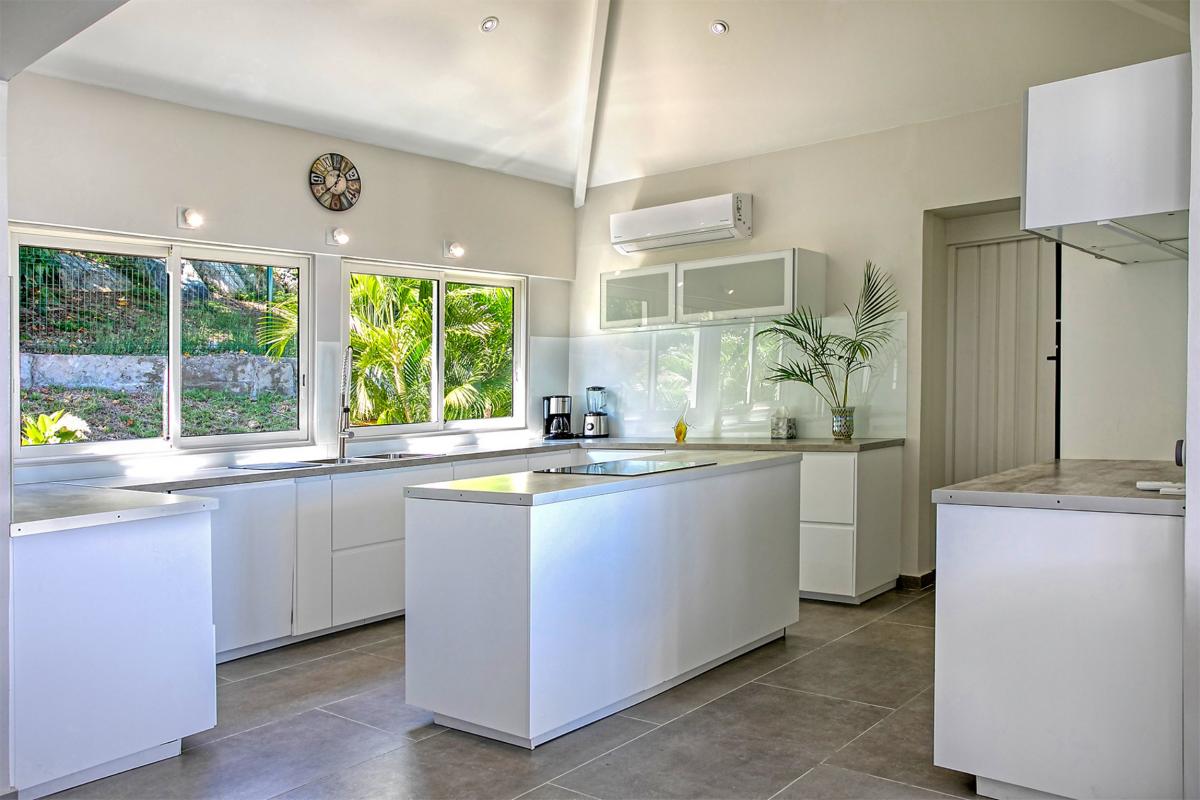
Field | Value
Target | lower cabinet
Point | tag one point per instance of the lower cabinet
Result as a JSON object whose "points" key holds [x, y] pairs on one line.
{"points": [[850, 523], [367, 540], [368, 581], [253, 553]]}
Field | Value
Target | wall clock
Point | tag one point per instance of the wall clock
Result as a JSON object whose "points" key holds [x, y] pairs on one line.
{"points": [[335, 181]]}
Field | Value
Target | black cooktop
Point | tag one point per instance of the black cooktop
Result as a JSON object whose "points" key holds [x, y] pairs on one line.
{"points": [[632, 466]]}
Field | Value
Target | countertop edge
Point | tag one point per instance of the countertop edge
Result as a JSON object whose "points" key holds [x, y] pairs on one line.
{"points": [[1158, 506], [602, 487], [190, 505]]}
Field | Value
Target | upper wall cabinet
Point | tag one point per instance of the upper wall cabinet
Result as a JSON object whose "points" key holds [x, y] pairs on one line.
{"points": [[635, 298], [1107, 161], [714, 289], [735, 286]]}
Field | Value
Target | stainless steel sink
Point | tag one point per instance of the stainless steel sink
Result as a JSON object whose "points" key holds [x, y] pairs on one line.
{"points": [[396, 456], [334, 461]]}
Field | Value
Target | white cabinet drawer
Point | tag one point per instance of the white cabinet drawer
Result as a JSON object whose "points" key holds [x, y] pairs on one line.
{"points": [[827, 487], [827, 559], [368, 581], [314, 546], [560, 458], [477, 468], [368, 507]]}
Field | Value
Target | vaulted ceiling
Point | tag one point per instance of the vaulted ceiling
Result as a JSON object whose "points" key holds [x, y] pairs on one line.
{"points": [[420, 75]]}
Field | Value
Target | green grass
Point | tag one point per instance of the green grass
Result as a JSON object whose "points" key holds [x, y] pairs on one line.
{"points": [[114, 415]]}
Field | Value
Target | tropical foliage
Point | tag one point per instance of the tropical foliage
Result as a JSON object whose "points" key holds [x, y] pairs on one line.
{"points": [[58, 427], [392, 336], [827, 360]]}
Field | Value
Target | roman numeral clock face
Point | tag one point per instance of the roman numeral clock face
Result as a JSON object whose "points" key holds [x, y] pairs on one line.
{"points": [[335, 181]]}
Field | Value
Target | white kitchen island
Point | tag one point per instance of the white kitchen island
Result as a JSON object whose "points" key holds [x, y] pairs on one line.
{"points": [[537, 603]]}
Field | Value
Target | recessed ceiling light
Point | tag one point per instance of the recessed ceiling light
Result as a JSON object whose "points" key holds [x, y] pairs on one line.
{"points": [[719, 27], [489, 24]]}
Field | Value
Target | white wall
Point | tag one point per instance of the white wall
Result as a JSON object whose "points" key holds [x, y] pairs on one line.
{"points": [[854, 199], [5, 435], [96, 158], [1124, 357]]}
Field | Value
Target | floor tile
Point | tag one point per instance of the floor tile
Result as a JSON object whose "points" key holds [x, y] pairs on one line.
{"points": [[883, 664], [748, 744], [901, 748], [552, 792], [919, 612], [319, 647], [386, 708], [389, 648], [459, 765], [834, 783], [827, 621], [265, 698], [254, 765], [719, 680]]}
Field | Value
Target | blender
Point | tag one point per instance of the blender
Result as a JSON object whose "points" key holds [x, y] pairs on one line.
{"points": [[595, 420]]}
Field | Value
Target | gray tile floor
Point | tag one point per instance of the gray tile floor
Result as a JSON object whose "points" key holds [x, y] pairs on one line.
{"points": [[841, 709]]}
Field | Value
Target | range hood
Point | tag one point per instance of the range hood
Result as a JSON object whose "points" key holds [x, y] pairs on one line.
{"points": [[1107, 161], [1130, 240]]}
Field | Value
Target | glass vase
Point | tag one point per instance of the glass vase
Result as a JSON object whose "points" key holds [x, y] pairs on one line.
{"points": [[843, 423]]}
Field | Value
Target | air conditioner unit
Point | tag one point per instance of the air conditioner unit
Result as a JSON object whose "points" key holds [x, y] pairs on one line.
{"points": [[709, 219]]}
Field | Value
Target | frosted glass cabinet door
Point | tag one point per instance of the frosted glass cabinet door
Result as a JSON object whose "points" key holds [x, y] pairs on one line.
{"points": [[735, 287], [632, 298]]}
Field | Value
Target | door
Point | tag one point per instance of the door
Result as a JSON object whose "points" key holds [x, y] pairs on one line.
{"points": [[1001, 347]]}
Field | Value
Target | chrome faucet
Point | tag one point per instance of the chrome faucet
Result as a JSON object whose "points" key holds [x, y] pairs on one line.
{"points": [[344, 433]]}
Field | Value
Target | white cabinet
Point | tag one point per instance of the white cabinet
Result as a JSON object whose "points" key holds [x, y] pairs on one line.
{"points": [[850, 524], [313, 600], [633, 298], [366, 565], [112, 648], [735, 287], [559, 458], [253, 556], [368, 581], [478, 468]]}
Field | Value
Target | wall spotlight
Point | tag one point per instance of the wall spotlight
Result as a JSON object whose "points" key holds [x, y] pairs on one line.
{"points": [[188, 217], [453, 250], [337, 236]]}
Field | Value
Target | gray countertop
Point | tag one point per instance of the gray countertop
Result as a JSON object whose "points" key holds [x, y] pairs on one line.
{"points": [[44, 507], [1074, 485], [41, 514], [749, 443], [534, 489]]}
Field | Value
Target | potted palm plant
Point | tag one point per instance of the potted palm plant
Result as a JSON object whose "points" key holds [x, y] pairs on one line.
{"points": [[827, 360]]}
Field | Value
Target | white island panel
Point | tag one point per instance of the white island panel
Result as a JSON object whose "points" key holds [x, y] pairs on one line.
{"points": [[1059, 651], [527, 621]]}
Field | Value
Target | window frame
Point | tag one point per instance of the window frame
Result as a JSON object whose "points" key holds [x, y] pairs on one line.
{"points": [[441, 277], [172, 252], [304, 345]]}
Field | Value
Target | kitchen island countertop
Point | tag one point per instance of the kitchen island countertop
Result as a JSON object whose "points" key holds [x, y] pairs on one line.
{"points": [[1074, 485], [534, 488]]}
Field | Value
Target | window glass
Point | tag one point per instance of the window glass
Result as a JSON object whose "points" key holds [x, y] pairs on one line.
{"points": [[93, 345], [240, 348], [478, 373], [391, 340]]}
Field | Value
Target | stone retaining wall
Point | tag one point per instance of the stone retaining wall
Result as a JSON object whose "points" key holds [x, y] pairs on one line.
{"points": [[239, 373]]}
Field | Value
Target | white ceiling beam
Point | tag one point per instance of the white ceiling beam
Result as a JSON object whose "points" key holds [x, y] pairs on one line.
{"points": [[1157, 14], [31, 28], [591, 99]]}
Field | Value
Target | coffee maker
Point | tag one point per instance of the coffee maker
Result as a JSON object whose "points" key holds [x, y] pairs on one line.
{"points": [[556, 417]]}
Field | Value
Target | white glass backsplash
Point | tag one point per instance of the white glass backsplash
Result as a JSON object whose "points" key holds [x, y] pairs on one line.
{"points": [[718, 372]]}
